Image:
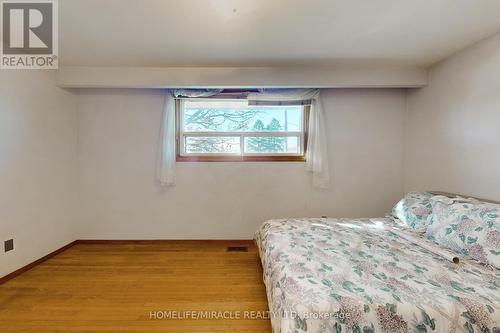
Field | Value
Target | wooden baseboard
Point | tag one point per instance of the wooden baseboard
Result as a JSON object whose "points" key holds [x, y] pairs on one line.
{"points": [[160, 241], [35, 263], [116, 242]]}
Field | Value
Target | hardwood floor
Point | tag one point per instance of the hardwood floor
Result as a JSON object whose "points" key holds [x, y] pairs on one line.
{"points": [[119, 287]]}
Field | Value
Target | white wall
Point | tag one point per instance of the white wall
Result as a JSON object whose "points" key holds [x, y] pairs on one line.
{"points": [[341, 75], [453, 125], [120, 199], [37, 166]]}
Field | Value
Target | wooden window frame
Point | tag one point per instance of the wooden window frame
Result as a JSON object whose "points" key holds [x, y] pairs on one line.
{"points": [[240, 158]]}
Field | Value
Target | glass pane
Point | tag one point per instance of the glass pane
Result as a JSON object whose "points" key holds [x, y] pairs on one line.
{"points": [[272, 144], [212, 145], [236, 115]]}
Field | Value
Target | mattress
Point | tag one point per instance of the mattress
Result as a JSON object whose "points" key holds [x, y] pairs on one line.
{"points": [[358, 275]]}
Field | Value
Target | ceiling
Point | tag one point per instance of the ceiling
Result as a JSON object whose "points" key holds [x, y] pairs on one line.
{"points": [[159, 33]]}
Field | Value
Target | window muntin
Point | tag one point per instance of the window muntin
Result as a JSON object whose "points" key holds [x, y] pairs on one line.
{"points": [[232, 128]]}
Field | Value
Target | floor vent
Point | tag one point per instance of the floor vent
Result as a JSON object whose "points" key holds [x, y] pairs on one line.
{"points": [[237, 249]]}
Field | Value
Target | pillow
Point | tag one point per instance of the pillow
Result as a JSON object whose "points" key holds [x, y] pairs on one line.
{"points": [[413, 210], [471, 228]]}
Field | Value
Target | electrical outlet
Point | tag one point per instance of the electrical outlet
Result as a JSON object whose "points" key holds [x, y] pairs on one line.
{"points": [[9, 245]]}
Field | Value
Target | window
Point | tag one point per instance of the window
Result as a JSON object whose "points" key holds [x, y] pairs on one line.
{"points": [[232, 130]]}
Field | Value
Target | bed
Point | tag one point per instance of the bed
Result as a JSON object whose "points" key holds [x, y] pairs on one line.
{"points": [[365, 275]]}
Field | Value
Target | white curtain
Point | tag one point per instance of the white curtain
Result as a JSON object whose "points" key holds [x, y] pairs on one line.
{"points": [[284, 95], [316, 157], [166, 152], [165, 168], [317, 153]]}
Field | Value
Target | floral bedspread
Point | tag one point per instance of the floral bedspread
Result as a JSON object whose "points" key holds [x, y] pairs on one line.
{"points": [[355, 275]]}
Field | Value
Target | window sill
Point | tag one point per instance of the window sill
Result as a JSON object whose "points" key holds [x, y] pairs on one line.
{"points": [[240, 158]]}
